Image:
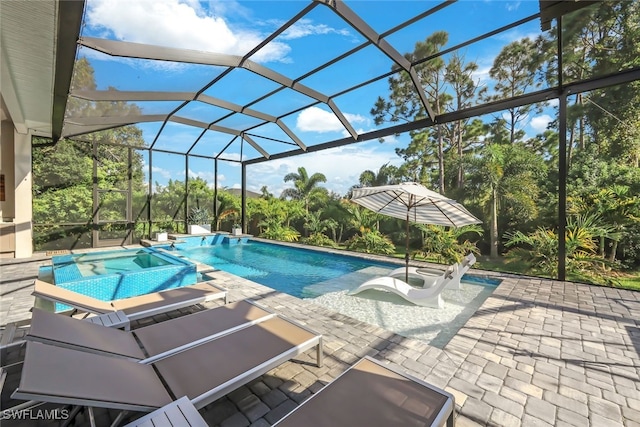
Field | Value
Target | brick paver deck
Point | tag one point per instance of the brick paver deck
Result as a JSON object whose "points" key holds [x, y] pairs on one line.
{"points": [[537, 353]]}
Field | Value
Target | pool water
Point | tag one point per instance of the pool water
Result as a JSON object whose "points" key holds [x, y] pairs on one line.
{"points": [[92, 264], [287, 269], [303, 273], [111, 275]]}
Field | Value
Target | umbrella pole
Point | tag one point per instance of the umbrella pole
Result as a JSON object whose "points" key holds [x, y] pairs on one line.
{"points": [[406, 252]]}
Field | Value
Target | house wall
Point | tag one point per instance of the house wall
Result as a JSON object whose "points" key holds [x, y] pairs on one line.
{"points": [[16, 211]]}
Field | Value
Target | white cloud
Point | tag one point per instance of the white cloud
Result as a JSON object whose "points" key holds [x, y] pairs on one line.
{"points": [[342, 166], [179, 24], [164, 173], [306, 27], [314, 119], [539, 123], [511, 6]]}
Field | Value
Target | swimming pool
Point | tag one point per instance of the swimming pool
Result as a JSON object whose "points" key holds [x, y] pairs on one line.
{"points": [[326, 278], [295, 271], [303, 273]]}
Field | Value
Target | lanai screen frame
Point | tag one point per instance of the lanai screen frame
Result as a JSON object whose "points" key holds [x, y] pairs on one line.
{"points": [[70, 20]]}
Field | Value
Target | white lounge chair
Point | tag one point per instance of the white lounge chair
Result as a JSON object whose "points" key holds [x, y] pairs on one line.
{"points": [[427, 297], [429, 276]]}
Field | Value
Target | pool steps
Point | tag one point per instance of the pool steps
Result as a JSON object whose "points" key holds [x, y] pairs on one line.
{"points": [[193, 240]]}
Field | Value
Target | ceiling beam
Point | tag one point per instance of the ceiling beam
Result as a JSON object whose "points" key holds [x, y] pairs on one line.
{"points": [[370, 34], [614, 79], [68, 26]]}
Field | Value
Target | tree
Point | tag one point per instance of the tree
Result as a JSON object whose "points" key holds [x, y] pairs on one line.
{"points": [[459, 75], [63, 172], [514, 71], [305, 187], [504, 180], [228, 207], [617, 210], [539, 250], [444, 243], [405, 104], [386, 175]]}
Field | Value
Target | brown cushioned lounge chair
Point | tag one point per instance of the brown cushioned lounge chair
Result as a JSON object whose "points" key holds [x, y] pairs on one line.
{"points": [[203, 373], [368, 394], [372, 394], [137, 307], [150, 342]]}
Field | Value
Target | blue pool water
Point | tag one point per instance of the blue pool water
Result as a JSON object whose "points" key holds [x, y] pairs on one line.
{"points": [[303, 273], [120, 274], [67, 268]]}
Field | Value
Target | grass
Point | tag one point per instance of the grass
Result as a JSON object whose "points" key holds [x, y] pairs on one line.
{"points": [[630, 281]]}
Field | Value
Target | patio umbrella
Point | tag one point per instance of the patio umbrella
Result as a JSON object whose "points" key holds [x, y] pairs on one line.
{"points": [[413, 202]]}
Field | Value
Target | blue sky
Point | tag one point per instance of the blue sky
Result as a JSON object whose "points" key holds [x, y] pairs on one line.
{"points": [[235, 27]]}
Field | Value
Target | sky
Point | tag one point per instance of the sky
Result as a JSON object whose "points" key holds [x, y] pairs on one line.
{"points": [[235, 27]]}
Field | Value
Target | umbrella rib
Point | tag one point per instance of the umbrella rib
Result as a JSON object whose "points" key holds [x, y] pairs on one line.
{"points": [[394, 198]]}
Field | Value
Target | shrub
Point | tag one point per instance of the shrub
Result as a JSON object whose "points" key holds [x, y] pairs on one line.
{"points": [[371, 242]]}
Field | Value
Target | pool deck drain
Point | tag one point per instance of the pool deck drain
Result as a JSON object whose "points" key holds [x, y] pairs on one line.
{"points": [[537, 353]]}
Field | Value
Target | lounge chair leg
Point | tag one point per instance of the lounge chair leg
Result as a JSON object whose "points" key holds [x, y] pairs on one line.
{"points": [[119, 418], [72, 415], [320, 354], [450, 420], [92, 417]]}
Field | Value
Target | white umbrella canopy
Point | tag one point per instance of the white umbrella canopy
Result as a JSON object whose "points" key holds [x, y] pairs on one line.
{"points": [[413, 202]]}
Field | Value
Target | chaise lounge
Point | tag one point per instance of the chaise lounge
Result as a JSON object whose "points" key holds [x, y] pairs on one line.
{"points": [[137, 307], [429, 276], [427, 297], [203, 373], [372, 394], [392, 398], [148, 343]]}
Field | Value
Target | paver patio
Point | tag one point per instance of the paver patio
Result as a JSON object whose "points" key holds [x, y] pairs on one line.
{"points": [[537, 353]]}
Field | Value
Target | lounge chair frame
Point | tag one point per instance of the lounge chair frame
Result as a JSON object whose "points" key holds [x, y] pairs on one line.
{"points": [[95, 306], [178, 413]]}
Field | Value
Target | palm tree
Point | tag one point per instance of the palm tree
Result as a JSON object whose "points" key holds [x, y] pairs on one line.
{"points": [[387, 174], [305, 186], [227, 208], [503, 178], [539, 249], [615, 207]]}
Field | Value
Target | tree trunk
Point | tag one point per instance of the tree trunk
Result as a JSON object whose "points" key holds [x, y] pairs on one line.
{"points": [[460, 163], [440, 160], [512, 134], [614, 249], [572, 133], [494, 224]]}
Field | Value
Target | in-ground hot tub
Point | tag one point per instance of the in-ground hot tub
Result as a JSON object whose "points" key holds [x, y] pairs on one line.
{"points": [[121, 274]]}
